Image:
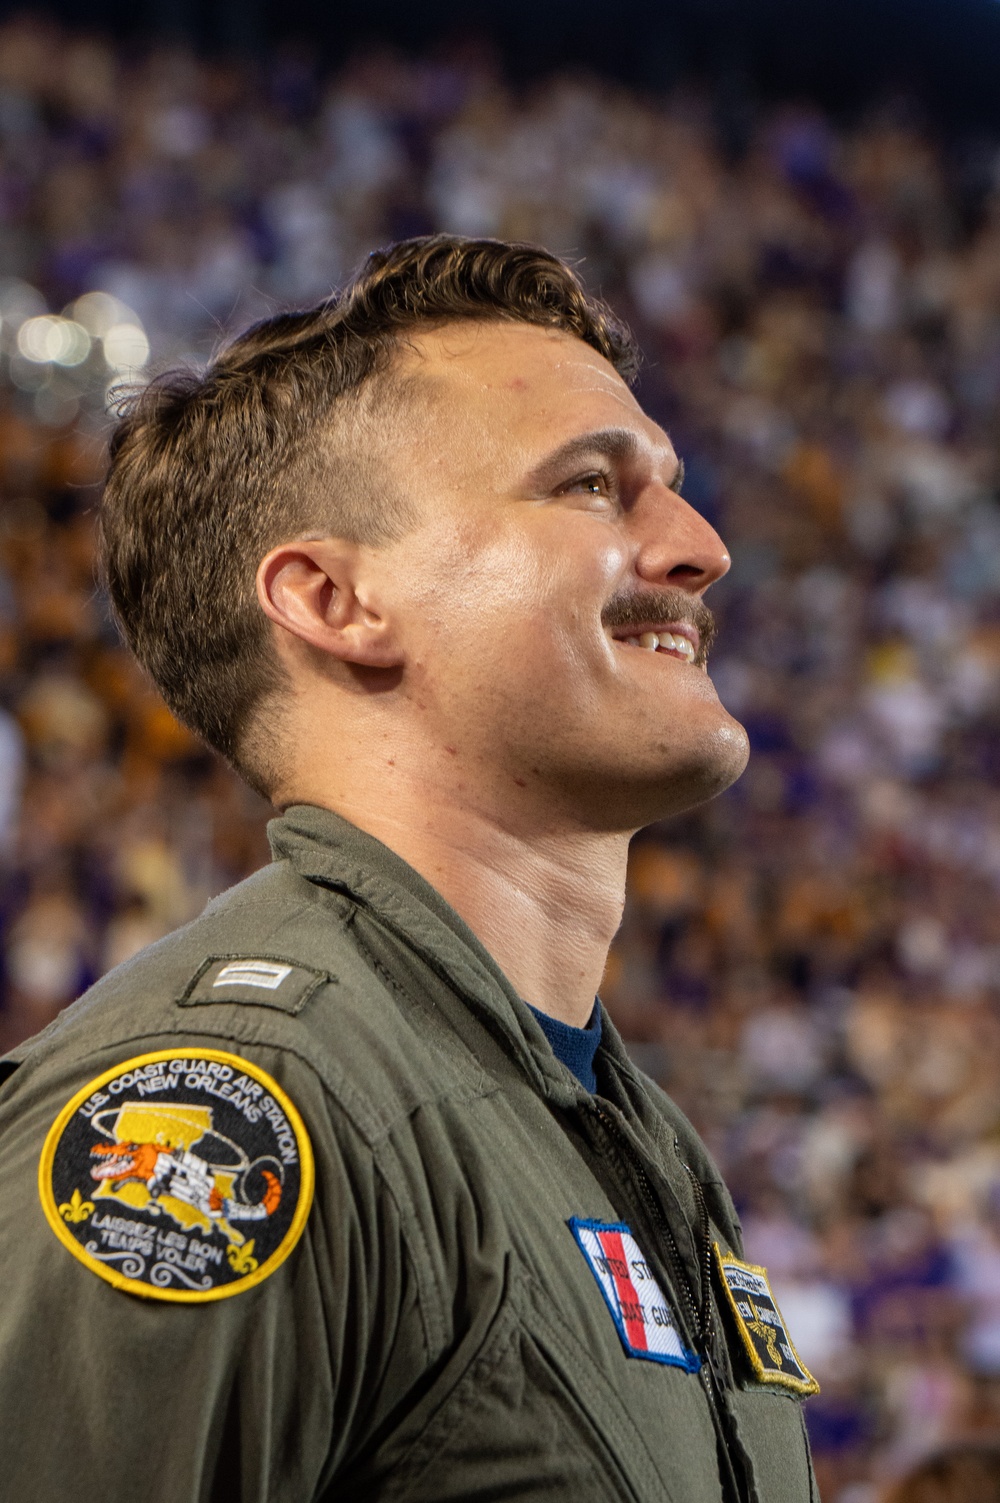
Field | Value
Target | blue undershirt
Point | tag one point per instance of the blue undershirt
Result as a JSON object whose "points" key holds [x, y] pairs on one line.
{"points": [[576, 1047]]}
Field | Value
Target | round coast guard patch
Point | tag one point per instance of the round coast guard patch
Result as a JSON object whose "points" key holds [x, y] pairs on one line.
{"points": [[179, 1175]]}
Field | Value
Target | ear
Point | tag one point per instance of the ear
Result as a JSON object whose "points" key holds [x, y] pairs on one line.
{"points": [[315, 590]]}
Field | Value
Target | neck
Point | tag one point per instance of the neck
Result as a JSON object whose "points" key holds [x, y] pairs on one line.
{"points": [[545, 905]]}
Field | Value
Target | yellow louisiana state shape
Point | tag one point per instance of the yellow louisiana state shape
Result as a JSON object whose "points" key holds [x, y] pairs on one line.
{"points": [[143, 1124]]}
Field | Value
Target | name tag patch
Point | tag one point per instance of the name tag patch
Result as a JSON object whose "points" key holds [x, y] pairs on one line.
{"points": [[762, 1329], [179, 1175], [639, 1308]]}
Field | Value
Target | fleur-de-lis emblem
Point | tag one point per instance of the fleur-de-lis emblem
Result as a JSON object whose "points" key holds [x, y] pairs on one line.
{"points": [[76, 1208], [241, 1259]]}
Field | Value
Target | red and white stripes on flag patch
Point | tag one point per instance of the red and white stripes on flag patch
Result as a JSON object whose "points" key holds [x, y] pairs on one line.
{"points": [[640, 1310]]}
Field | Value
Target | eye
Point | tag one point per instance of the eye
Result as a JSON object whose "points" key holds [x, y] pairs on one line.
{"points": [[595, 483]]}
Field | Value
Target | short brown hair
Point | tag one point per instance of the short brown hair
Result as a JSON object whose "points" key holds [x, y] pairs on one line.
{"points": [[967, 1472], [210, 470]]}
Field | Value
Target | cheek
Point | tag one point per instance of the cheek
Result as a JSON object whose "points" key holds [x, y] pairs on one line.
{"points": [[467, 581], [470, 607], [519, 602]]}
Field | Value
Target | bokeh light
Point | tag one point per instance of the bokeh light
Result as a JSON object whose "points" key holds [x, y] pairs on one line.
{"points": [[48, 339], [126, 347]]}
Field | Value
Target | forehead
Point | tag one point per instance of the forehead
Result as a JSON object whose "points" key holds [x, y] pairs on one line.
{"points": [[520, 385]]}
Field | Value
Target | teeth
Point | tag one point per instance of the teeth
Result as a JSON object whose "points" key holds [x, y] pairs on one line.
{"points": [[678, 644], [668, 641]]}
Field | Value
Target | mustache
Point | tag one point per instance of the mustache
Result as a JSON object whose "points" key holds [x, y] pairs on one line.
{"points": [[638, 607]]}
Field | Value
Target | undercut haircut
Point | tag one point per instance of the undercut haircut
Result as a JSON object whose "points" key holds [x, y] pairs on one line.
{"points": [[277, 439]]}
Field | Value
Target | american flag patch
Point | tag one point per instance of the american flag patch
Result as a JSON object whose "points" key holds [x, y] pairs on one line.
{"points": [[639, 1308]]}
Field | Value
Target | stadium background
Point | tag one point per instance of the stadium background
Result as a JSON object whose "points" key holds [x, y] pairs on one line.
{"points": [[806, 238]]}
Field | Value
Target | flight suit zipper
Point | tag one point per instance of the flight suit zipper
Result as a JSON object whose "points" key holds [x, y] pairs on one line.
{"points": [[736, 1478], [709, 1333]]}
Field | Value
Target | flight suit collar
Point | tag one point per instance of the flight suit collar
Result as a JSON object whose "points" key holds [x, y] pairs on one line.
{"points": [[327, 849]]}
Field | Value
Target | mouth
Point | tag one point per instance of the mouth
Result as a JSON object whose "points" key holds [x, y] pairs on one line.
{"points": [[114, 1170], [677, 639]]}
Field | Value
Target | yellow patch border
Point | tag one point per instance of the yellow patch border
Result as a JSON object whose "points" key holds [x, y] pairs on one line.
{"points": [[135, 1286], [763, 1374]]}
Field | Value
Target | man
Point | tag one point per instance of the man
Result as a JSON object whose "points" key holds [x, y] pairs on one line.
{"points": [[348, 1189]]}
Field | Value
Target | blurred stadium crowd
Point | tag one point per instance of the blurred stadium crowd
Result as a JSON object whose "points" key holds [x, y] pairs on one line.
{"points": [[812, 964]]}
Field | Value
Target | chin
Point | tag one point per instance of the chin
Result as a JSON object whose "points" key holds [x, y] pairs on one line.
{"points": [[686, 778], [731, 748]]}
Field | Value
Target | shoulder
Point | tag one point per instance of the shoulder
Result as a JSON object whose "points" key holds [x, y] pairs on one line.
{"points": [[265, 947], [273, 971], [181, 1095], [224, 1008], [240, 977]]}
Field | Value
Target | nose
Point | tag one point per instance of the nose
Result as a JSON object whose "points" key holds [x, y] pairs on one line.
{"points": [[675, 543]]}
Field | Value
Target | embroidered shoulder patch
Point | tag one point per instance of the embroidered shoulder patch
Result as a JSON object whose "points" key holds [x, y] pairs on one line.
{"points": [[267, 981], [762, 1329], [639, 1308], [179, 1175]]}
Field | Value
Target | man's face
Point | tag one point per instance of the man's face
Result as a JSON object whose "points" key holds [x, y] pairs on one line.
{"points": [[552, 552]]}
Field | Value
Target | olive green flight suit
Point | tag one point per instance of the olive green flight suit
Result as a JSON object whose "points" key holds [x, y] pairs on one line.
{"points": [[437, 1333]]}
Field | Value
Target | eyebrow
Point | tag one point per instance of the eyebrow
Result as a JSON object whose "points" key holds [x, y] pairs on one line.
{"points": [[619, 445]]}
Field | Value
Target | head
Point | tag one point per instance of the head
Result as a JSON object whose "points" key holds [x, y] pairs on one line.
{"points": [[966, 1472], [425, 524]]}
